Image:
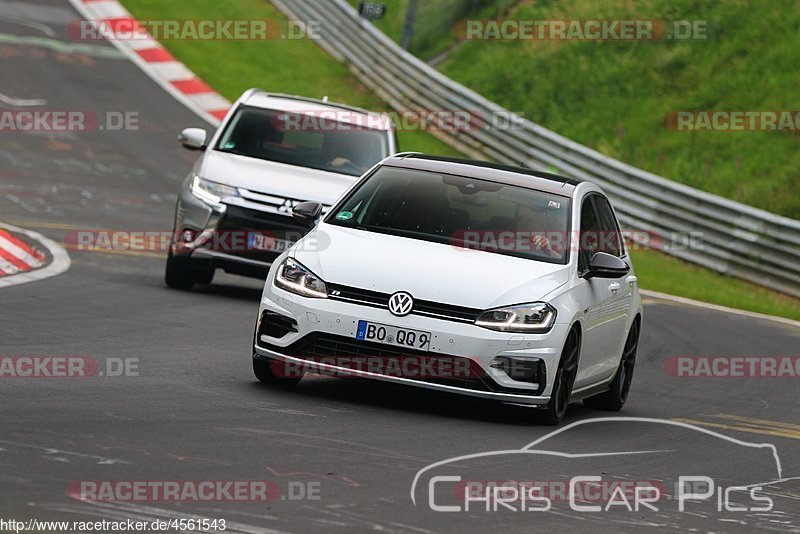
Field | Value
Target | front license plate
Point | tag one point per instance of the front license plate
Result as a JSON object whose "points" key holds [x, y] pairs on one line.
{"points": [[264, 243], [392, 335]]}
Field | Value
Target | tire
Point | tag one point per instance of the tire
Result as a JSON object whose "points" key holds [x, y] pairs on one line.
{"points": [[265, 373], [614, 399], [180, 274], [555, 410]]}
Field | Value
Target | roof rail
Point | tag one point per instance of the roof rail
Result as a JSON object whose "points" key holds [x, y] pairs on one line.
{"points": [[316, 101], [496, 166], [250, 92]]}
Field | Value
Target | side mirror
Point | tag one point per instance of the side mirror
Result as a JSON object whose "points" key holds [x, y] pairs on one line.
{"points": [[307, 212], [604, 265], [193, 138]]}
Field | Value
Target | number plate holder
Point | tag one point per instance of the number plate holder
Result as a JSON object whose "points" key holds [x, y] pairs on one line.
{"points": [[394, 335]]}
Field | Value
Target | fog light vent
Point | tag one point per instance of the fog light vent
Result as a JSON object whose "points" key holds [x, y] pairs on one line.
{"points": [[275, 325], [530, 370]]}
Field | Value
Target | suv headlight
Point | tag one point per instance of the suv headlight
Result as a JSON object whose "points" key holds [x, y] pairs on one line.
{"points": [[535, 318], [212, 192], [296, 278]]}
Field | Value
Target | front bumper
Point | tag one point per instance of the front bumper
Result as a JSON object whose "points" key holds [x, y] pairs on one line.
{"points": [[322, 329], [222, 237]]}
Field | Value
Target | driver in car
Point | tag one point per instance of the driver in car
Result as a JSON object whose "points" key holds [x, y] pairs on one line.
{"points": [[538, 222]]}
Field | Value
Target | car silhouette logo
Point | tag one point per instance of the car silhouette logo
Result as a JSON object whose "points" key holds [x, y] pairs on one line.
{"points": [[400, 303]]}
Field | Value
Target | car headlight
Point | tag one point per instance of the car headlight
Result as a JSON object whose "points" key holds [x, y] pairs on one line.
{"points": [[296, 278], [535, 318], [212, 192]]}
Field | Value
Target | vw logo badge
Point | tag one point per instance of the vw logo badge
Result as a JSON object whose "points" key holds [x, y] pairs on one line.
{"points": [[400, 303]]}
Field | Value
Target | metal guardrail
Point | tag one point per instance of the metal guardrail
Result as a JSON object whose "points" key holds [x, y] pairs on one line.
{"points": [[737, 239]]}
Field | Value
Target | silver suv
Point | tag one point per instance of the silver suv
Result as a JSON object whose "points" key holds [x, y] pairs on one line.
{"points": [[270, 153]]}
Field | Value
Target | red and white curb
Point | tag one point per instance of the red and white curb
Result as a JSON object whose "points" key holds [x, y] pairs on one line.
{"points": [[16, 256], [156, 61], [20, 262]]}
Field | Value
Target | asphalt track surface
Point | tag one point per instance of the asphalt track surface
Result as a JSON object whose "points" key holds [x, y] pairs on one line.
{"points": [[195, 412]]}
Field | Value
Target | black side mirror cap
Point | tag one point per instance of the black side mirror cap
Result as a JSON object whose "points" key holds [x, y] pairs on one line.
{"points": [[605, 265], [307, 212]]}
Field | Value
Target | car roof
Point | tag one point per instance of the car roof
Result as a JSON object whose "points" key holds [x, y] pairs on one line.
{"points": [[300, 104], [484, 170]]}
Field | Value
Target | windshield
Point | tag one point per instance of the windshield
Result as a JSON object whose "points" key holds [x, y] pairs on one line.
{"points": [[284, 137], [463, 212]]}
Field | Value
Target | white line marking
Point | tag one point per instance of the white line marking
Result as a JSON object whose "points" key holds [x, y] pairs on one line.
{"points": [[32, 24], [101, 460], [21, 102], [60, 263]]}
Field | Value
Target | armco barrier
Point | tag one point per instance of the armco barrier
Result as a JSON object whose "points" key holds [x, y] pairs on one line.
{"points": [[738, 240]]}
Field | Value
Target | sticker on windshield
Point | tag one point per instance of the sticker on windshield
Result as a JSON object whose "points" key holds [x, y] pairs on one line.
{"points": [[554, 204], [344, 216]]}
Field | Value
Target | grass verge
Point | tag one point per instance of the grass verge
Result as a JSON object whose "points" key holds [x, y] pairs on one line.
{"points": [[659, 272], [614, 96], [283, 66], [301, 67]]}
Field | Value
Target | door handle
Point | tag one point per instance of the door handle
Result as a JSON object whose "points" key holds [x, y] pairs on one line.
{"points": [[614, 287], [631, 280]]}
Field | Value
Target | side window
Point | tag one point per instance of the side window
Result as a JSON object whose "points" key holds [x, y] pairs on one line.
{"points": [[588, 235], [609, 239]]}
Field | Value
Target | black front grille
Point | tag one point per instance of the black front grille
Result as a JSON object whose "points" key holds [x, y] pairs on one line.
{"points": [[427, 308], [344, 351], [447, 311], [362, 296], [237, 223]]}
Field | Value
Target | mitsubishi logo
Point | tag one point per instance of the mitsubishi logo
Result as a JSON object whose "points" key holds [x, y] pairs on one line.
{"points": [[288, 205], [400, 303]]}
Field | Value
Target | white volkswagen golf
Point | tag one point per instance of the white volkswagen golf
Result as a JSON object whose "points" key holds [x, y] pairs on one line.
{"points": [[459, 276]]}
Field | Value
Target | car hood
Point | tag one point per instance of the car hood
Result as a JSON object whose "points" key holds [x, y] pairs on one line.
{"points": [[270, 177], [429, 271]]}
